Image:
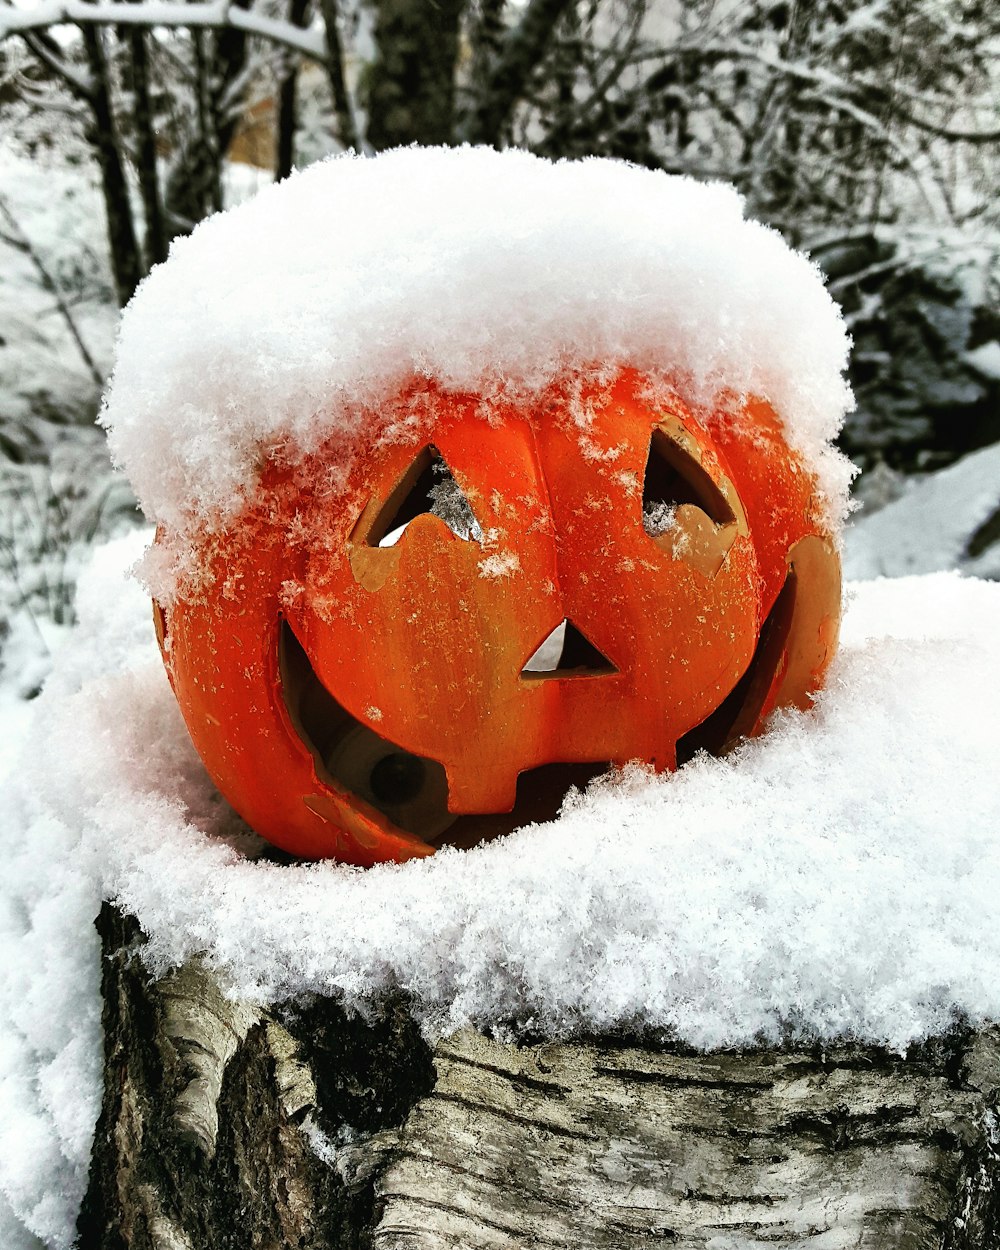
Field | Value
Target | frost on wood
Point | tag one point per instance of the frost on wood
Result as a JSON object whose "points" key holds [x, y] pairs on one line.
{"points": [[225, 1124]]}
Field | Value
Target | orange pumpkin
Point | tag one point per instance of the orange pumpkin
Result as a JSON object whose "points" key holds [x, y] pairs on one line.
{"points": [[382, 646]]}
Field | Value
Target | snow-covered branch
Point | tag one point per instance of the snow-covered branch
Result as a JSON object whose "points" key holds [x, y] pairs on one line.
{"points": [[47, 51], [218, 14], [827, 80], [19, 240]]}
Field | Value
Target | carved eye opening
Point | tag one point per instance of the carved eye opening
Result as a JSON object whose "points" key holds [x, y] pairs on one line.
{"points": [[674, 478], [428, 486]]}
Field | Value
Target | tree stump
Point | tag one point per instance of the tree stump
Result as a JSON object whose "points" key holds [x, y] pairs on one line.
{"points": [[226, 1126]]}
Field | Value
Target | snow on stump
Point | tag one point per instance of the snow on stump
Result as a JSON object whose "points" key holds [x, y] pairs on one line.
{"points": [[478, 454]]}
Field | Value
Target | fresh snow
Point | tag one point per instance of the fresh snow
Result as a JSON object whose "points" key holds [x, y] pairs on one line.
{"points": [[929, 527], [834, 878], [298, 315]]}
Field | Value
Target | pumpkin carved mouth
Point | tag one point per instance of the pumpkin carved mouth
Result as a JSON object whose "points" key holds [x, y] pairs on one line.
{"points": [[738, 714], [411, 790]]}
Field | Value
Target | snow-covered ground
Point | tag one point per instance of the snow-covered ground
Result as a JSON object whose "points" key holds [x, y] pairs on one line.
{"points": [[947, 520]]}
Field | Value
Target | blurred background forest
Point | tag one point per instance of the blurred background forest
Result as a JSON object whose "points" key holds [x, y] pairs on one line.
{"points": [[866, 131]]}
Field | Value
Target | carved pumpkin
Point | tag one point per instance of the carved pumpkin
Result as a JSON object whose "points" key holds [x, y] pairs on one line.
{"points": [[374, 659]]}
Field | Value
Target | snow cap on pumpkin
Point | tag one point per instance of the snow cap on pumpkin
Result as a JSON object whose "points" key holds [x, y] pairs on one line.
{"points": [[293, 317]]}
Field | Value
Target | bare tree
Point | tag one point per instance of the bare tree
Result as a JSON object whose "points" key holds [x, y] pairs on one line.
{"points": [[163, 91], [823, 114]]}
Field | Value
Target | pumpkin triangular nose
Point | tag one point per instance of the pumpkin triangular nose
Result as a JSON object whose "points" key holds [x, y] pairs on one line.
{"points": [[567, 652]]}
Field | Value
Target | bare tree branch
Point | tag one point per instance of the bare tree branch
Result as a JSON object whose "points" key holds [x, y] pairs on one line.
{"points": [[218, 15], [48, 52], [828, 81], [21, 241]]}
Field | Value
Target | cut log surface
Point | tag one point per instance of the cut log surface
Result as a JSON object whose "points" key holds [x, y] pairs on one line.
{"points": [[225, 1125]]}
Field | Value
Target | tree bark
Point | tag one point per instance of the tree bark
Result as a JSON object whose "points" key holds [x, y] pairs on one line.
{"points": [[517, 57], [126, 263], [411, 95], [145, 133], [229, 1126], [288, 100], [347, 131]]}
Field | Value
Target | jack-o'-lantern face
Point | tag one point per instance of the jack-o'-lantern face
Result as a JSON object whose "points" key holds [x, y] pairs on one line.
{"points": [[601, 577]]}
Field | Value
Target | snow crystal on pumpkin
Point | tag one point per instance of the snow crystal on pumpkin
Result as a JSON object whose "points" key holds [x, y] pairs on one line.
{"points": [[500, 565]]}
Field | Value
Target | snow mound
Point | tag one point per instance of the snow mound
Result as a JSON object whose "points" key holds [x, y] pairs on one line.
{"points": [[949, 519], [297, 314], [834, 878]]}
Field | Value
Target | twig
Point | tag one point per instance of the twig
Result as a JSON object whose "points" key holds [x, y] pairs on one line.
{"points": [[49, 283], [17, 21]]}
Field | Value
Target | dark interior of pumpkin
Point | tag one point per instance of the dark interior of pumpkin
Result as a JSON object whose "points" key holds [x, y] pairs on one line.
{"points": [[427, 486], [411, 790]]}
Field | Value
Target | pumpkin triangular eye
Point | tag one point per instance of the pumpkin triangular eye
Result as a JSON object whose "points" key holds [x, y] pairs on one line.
{"points": [[427, 486], [673, 477], [567, 652]]}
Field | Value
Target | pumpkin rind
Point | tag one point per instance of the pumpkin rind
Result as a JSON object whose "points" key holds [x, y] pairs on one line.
{"points": [[424, 642]]}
